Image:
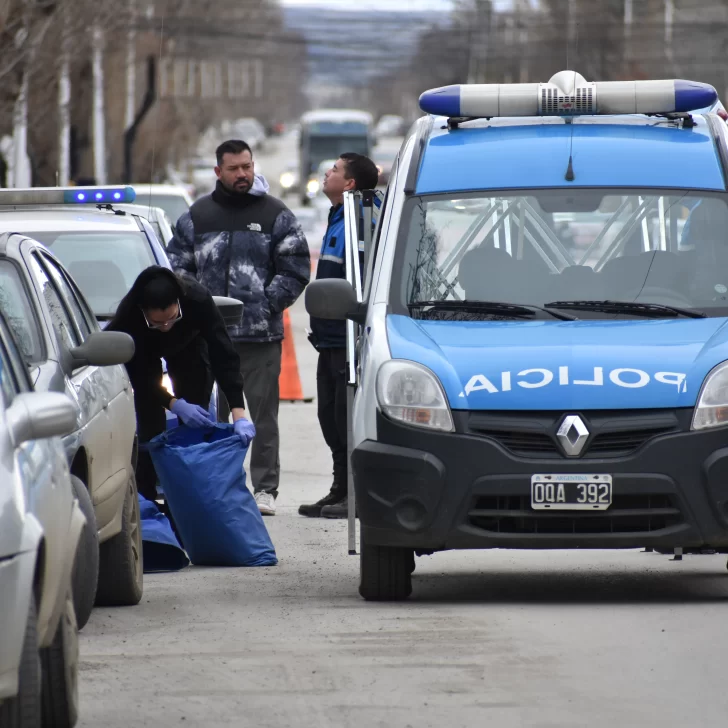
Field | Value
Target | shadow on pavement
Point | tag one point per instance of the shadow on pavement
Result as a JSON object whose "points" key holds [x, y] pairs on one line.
{"points": [[569, 587]]}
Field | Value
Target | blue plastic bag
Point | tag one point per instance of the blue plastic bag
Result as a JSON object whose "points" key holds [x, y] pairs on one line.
{"points": [[201, 474], [162, 550]]}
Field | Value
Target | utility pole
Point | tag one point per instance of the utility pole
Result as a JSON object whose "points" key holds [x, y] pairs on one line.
{"points": [[19, 174], [131, 67], [628, 17], [64, 105], [99, 120], [669, 17]]}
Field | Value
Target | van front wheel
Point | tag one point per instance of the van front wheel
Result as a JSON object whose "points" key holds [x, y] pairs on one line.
{"points": [[386, 572]]}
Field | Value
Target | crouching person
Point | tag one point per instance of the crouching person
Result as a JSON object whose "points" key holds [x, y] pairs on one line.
{"points": [[179, 322]]}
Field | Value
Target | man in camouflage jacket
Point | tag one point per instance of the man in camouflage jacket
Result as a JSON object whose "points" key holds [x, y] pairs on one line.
{"points": [[241, 242]]}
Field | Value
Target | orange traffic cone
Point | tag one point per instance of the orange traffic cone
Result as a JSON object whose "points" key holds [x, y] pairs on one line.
{"points": [[289, 382]]}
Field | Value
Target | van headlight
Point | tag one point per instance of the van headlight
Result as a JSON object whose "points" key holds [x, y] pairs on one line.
{"points": [[410, 393], [712, 407], [287, 180], [313, 186]]}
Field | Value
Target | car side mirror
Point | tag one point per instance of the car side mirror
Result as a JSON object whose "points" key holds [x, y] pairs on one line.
{"points": [[231, 310], [334, 298], [103, 349], [38, 415]]}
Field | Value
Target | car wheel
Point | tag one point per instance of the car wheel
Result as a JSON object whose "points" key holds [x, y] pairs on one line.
{"points": [[60, 672], [86, 565], [23, 710], [121, 571], [386, 572]]}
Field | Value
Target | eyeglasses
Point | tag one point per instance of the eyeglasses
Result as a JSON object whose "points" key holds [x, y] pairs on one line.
{"points": [[153, 325]]}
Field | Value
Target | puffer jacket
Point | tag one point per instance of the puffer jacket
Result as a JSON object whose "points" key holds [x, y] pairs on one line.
{"points": [[249, 247]]}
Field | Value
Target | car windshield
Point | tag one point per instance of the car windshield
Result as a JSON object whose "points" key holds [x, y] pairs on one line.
{"points": [[174, 205], [566, 248], [103, 264]]}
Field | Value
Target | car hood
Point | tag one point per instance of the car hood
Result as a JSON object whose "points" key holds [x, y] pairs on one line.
{"points": [[544, 365]]}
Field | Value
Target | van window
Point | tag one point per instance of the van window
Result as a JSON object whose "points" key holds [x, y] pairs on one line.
{"points": [[668, 248]]}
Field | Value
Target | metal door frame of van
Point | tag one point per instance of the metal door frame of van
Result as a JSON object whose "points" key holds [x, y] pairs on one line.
{"points": [[361, 230]]}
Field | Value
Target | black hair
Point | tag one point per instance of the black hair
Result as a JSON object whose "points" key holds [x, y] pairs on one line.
{"points": [[361, 169], [155, 288], [232, 146]]}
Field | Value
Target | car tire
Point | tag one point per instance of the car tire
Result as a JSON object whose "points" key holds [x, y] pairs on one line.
{"points": [[86, 565], [386, 572], [24, 710], [121, 570], [60, 672]]}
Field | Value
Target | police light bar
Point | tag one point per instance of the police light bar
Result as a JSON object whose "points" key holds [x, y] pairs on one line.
{"points": [[567, 94], [66, 195]]}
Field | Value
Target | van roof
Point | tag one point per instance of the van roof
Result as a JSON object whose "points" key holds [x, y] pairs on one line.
{"points": [[621, 151]]}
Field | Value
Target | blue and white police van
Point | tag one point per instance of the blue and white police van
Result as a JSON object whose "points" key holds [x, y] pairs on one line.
{"points": [[543, 329]]}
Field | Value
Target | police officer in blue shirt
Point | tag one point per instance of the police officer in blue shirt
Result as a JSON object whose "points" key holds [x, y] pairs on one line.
{"points": [[350, 172]]}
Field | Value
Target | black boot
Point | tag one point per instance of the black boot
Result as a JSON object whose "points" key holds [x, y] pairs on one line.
{"points": [[313, 510], [337, 510]]}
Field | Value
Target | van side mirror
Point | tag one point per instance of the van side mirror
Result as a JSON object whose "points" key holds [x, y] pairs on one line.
{"points": [[38, 415], [334, 298], [231, 310], [103, 349]]}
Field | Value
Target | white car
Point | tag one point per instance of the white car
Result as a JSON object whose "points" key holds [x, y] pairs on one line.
{"points": [[175, 200], [40, 527], [54, 325]]}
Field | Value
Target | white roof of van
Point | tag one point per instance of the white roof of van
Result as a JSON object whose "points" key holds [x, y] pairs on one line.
{"points": [[337, 115]]}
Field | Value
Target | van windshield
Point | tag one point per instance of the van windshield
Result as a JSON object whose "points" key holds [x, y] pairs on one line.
{"points": [[571, 249]]}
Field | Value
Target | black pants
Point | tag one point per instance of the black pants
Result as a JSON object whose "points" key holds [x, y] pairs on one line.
{"points": [[192, 381], [331, 391], [260, 364]]}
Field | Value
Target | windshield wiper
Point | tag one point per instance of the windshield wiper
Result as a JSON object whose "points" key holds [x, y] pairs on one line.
{"points": [[632, 307], [496, 308]]}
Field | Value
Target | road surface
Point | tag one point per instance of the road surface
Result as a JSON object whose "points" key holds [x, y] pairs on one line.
{"points": [[505, 639]]}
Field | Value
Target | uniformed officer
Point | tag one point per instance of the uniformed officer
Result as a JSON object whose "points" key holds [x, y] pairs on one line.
{"points": [[350, 172]]}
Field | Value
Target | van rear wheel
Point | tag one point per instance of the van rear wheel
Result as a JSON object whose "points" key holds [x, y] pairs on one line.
{"points": [[386, 572]]}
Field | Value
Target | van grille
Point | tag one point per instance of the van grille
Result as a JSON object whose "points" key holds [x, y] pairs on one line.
{"points": [[627, 514]]}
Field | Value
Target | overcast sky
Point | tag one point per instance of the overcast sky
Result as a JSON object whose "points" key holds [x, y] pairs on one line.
{"points": [[376, 4]]}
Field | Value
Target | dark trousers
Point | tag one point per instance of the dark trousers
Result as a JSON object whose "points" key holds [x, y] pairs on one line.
{"points": [[331, 392], [192, 381], [260, 365]]}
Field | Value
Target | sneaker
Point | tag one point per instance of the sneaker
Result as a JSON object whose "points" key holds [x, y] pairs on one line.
{"points": [[266, 503], [337, 510], [313, 510]]}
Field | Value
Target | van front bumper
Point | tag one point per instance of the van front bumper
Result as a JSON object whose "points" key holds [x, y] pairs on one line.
{"points": [[432, 490]]}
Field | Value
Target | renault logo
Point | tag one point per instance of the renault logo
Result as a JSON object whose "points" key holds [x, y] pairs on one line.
{"points": [[573, 435]]}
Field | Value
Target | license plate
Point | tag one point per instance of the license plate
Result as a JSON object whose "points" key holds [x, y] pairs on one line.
{"points": [[555, 492]]}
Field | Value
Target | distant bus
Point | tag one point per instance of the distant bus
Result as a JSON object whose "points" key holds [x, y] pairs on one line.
{"points": [[326, 134]]}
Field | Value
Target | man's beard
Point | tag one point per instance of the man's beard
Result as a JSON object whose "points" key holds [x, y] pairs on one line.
{"points": [[242, 188]]}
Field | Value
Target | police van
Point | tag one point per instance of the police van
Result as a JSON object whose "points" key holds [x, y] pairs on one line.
{"points": [[539, 341]]}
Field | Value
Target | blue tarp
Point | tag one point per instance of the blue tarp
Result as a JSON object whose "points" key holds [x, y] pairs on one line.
{"points": [[162, 551], [217, 518]]}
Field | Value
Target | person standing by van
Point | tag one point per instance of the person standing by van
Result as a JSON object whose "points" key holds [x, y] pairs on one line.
{"points": [[241, 242], [350, 172]]}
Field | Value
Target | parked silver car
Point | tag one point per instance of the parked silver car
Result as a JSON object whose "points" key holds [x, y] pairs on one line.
{"points": [[40, 526], [66, 351]]}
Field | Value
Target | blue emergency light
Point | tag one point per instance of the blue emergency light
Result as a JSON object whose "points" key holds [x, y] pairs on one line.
{"points": [[67, 195], [567, 94]]}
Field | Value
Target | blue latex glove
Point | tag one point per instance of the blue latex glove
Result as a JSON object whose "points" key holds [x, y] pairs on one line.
{"points": [[192, 415], [245, 430]]}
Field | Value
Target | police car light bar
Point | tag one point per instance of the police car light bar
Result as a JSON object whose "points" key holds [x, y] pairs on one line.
{"points": [[567, 94], [66, 195]]}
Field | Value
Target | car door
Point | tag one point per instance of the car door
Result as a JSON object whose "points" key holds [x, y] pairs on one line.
{"points": [[40, 472], [85, 385], [111, 382]]}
